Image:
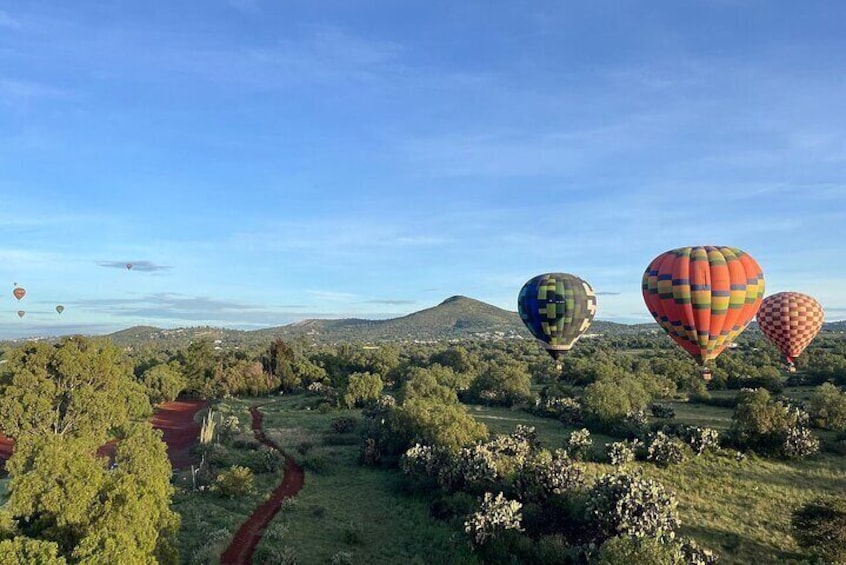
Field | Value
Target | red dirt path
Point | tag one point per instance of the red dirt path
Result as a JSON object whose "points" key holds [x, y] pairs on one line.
{"points": [[175, 420], [240, 551]]}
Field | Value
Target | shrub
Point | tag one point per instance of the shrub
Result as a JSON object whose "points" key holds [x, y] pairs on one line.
{"points": [[827, 408], [665, 450], [620, 453], [495, 515], [637, 551], [579, 444], [800, 442], [702, 439], [546, 474], [237, 481], [761, 423], [662, 410], [628, 504], [344, 424], [820, 527], [651, 551]]}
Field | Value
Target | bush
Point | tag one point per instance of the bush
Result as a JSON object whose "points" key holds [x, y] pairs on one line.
{"points": [[620, 452], [547, 474], [701, 440], [637, 551], [237, 481], [495, 515], [662, 410], [630, 505], [820, 527], [665, 450], [800, 442], [761, 423], [344, 424], [827, 408], [579, 444]]}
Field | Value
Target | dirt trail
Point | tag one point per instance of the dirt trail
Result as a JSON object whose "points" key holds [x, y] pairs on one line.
{"points": [[240, 551], [176, 421]]}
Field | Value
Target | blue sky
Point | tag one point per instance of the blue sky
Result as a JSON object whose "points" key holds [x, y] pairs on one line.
{"points": [[263, 162]]}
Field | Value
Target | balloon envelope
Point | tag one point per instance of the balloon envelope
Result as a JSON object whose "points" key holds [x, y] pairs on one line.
{"points": [[21, 313], [60, 308], [703, 297], [557, 308], [790, 320], [19, 293], [129, 266]]}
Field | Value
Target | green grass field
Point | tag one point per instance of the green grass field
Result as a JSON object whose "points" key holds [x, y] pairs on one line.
{"points": [[739, 508], [3, 491]]}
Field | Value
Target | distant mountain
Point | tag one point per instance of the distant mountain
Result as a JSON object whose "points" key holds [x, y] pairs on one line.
{"points": [[457, 317]]}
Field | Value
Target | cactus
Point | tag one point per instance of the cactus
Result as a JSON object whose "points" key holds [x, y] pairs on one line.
{"points": [[207, 431]]}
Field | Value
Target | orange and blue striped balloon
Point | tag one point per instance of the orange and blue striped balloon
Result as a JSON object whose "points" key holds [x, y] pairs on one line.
{"points": [[703, 297]]}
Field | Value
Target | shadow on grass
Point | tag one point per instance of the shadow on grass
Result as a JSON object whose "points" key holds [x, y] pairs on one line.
{"points": [[741, 548]]}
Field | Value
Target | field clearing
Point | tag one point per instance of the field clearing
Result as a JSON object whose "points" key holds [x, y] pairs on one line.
{"points": [[346, 507], [701, 415], [739, 508]]}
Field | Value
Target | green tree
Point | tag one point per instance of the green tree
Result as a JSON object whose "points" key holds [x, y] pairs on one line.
{"points": [[200, 365], [431, 414], [504, 384], [61, 492], [608, 400], [163, 382], [26, 551], [827, 408], [362, 388], [82, 387]]}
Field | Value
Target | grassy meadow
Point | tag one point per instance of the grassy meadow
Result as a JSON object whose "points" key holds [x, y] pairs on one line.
{"points": [[739, 508]]}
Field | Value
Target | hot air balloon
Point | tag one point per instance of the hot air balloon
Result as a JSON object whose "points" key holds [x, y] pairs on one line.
{"points": [[21, 313], [129, 266], [703, 297], [790, 320], [60, 308], [19, 293], [557, 308]]}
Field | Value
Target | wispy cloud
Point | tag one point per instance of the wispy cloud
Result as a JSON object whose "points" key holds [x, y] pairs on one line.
{"points": [[391, 301], [143, 266], [608, 293]]}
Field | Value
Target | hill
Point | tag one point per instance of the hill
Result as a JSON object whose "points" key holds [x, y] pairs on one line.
{"points": [[456, 317]]}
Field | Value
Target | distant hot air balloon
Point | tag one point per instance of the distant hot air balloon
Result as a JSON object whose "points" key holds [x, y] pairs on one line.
{"points": [[21, 313], [557, 308], [129, 266], [703, 297], [19, 292], [790, 320], [60, 308]]}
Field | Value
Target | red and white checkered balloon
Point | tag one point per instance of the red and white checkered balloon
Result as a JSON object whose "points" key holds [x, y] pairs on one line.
{"points": [[790, 320]]}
